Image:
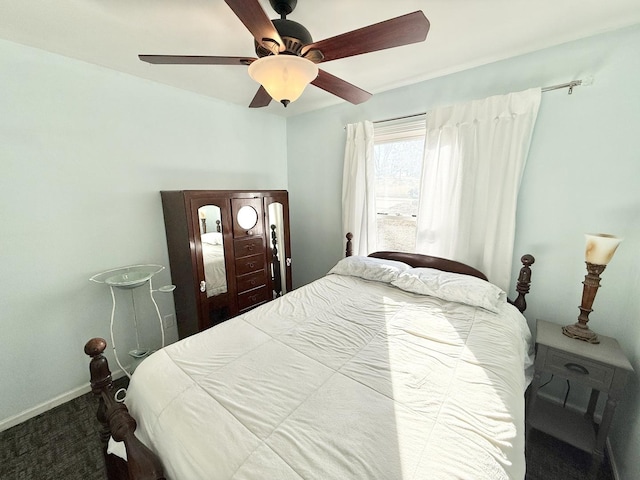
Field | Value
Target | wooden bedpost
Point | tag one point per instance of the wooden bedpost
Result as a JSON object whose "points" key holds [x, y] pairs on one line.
{"points": [[349, 251], [275, 263], [142, 463], [524, 282]]}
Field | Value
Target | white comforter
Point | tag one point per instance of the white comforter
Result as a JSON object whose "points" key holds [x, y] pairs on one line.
{"points": [[341, 379]]}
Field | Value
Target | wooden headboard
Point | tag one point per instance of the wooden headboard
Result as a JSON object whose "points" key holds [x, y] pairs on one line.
{"points": [[427, 261]]}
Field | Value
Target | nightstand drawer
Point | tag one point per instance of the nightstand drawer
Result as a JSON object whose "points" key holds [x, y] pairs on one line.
{"points": [[569, 366]]}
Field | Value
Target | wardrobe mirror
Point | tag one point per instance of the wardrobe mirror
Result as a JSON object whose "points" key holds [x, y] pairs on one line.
{"points": [[276, 235], [247, 217], [212, 251]]}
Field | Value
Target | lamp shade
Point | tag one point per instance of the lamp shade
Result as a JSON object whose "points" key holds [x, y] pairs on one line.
{"points": [[284, 77], [600, 248]]}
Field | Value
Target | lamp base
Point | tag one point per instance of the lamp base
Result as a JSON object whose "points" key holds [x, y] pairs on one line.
{"points": [[581, 332]]}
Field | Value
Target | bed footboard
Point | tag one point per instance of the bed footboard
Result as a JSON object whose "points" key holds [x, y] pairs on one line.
{"points": [[142, 463]]}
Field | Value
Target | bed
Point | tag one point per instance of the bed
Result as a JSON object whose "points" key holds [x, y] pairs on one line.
{"points": [[393, 366]]}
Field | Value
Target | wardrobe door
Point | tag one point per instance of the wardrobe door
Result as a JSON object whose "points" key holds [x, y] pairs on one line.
{"points": [[200, 245], [276, 206], [211, 220]]}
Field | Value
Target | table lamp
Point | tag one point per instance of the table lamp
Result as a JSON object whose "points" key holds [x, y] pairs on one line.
{"points": [[600, 248]]}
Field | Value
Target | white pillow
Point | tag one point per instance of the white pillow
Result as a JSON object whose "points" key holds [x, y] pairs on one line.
{"points": [[369, 268], [213, 238], [453, 287]]}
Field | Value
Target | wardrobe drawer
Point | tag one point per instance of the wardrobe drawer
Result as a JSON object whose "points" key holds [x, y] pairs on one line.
{"points": [[251, 281], [253, 298], [249, 264], [246, 247]]}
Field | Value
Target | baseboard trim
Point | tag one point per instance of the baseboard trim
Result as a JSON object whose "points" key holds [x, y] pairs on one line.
{"points": [[7, 423]]}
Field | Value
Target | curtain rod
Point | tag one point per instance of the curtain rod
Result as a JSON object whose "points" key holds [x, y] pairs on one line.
{"points": [[569, 85]]}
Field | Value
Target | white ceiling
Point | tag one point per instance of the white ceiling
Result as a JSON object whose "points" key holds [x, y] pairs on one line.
{"points": [[463, 34]]}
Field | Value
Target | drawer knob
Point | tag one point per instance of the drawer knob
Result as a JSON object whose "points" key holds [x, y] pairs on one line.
{"points": [[574, 367]]}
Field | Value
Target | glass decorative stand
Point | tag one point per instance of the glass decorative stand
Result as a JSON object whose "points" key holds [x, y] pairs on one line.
{"points": [[129, 278]]}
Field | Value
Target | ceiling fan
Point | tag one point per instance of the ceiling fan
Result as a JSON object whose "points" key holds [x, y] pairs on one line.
{"points": [[288, 56]]}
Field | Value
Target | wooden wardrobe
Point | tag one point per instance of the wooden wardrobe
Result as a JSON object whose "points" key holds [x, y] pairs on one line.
{"points": [[229, 251]]}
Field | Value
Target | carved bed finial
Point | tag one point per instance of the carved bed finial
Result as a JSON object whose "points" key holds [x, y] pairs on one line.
{"points": [[524, 282], [349, 251], [98, 367], [95, 347]]}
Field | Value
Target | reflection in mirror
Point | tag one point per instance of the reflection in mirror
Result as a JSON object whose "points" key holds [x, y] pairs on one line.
{"points": [[247, 217], [212, 250], [278, 264]]}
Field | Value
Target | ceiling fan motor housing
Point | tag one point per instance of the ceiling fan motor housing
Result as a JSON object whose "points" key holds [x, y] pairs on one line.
{"points": [[294, 35]]}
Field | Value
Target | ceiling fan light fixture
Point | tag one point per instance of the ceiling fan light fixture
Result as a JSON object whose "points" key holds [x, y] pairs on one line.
{"points": [[284, 77]]}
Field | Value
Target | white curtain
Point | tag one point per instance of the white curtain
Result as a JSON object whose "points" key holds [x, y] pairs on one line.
{"points": [[475, 155], [358, 188]]}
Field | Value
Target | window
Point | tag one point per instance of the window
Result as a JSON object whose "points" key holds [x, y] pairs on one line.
{"points": [[398, 157]]}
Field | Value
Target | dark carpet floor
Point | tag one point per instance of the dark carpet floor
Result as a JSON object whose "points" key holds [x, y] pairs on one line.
{"points": [[63, 444], [551, 459]]}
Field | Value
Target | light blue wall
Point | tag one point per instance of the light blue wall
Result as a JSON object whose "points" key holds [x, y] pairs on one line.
{"points": [[84, 152], [582, 176]]}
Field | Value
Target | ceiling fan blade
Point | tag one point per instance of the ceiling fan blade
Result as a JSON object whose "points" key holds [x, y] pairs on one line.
{"points": [[340, 88], [194, 60], [261, 99], [258, 23], [403, 30]]}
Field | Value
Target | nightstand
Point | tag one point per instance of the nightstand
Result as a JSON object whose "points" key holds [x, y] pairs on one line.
{"points": [[603, 367]]}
